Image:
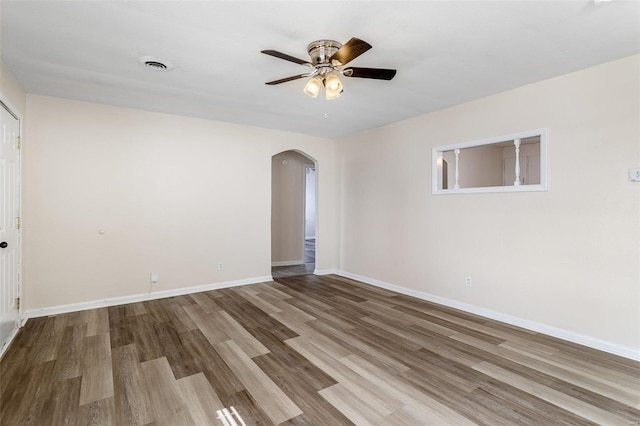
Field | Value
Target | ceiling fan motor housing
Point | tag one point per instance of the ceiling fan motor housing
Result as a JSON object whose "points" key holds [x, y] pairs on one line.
{"points": [[321, 50]]}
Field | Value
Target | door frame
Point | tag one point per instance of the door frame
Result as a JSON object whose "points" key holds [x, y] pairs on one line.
{"points": [[304, 206], [6, 104], [310, 160]]}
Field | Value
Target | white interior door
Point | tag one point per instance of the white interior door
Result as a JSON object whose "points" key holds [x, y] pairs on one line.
{"points": [[9, 225]]}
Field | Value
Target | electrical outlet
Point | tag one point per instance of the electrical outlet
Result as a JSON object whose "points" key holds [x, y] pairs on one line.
{"points": [[468, 282], [220, 266], [154, 277]]}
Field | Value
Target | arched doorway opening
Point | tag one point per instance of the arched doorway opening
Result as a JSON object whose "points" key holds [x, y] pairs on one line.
{"points": [[293, 214]]}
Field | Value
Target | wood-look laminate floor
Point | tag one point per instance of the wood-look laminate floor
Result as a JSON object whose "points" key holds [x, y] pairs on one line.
{"points": [[304, 350]]}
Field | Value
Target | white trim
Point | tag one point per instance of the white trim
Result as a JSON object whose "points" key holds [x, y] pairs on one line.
{"points": [[490, 189], [13, 334], [14, 110], [436, 153], [305, 167], [549, 330], [288, 263], [326, 272], [82, 306]]}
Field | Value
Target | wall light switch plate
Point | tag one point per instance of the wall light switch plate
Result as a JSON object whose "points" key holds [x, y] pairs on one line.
{"points": [[634, 175]]}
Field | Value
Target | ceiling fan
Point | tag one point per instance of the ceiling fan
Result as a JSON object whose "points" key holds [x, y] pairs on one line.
{"points": [[328, 58]]}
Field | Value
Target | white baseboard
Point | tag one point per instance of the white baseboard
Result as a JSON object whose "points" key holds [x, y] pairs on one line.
{"points": [[549, 330], [288, 263], [325, 271], [12, 336], [82, 306]]}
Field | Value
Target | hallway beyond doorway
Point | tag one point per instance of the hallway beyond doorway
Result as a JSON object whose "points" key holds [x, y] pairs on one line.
{"points": [[295, 270]]}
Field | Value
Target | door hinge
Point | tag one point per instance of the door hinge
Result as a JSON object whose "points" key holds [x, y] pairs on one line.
{"points": [[17, 223], [17, 303], [18, 142]]}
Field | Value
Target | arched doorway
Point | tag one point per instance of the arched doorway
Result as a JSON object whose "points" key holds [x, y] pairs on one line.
{"points": [[293, 214]]}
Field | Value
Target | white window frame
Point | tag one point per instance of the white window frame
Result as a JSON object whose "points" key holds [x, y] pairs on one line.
{"points": [[436, 156]]}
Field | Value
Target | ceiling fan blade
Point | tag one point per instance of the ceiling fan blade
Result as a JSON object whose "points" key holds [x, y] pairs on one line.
{"points": [[284, 80], [284, 56], [349, 51], [376, 73]]}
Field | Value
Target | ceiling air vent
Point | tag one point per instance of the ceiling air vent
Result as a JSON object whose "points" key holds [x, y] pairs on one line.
{"points": [[158, 66], [155, 63]]}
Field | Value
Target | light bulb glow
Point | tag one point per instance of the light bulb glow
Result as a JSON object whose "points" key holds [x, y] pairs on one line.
{"points": [[313, 86], [332, 86]]}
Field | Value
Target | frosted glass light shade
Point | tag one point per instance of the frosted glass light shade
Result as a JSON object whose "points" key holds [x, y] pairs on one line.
{"points": [[332, 86], [313, 86]]}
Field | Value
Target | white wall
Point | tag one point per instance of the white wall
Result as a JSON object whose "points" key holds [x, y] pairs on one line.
{"points": [[174, 195], [567, 258], [12, 93]]}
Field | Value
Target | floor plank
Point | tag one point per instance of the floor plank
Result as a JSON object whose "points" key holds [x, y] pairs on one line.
{"points": [[305, 350], [131, 400], [166, 404], [200, 399], [351, 405], [275, 403], [97, 375], [560, 399]]}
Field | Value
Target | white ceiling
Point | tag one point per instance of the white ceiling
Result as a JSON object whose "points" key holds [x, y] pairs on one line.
{"points": [[446, 53]]}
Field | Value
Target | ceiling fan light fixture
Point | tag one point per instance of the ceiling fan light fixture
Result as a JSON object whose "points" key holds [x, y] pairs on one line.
{"points": [[313, 86], [332, 86], [327, 59]]}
